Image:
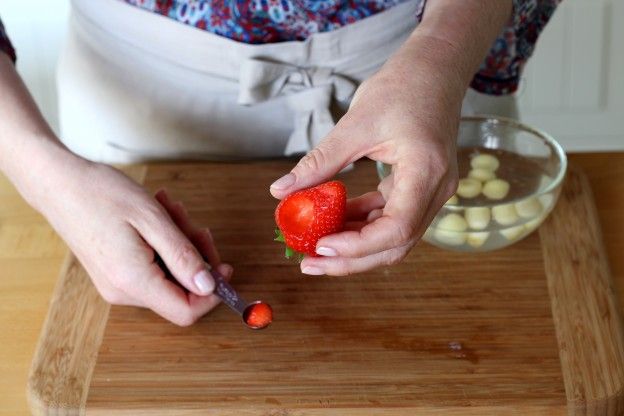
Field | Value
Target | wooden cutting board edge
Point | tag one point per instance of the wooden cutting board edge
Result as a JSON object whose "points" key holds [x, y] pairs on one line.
{"points": [[60, 373], [593, 370], [590, 335]]}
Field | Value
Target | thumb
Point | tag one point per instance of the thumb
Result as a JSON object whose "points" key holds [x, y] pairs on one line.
{"points": [[178, 253], [318, 165]]}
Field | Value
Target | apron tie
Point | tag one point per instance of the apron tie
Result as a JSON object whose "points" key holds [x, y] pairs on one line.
{"points": [[308, 90]]}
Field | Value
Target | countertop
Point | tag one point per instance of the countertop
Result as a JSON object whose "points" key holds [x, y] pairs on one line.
{"points": [[31, 255]]}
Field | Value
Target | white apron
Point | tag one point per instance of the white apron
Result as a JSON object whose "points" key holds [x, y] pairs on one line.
{"points": [[136, 86]]}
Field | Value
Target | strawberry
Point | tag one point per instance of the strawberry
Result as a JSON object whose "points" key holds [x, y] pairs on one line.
{"points": [[258, 315], [307, 215]]}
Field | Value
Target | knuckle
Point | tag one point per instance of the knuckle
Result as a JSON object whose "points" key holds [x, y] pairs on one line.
{"points": [[185, 255], [344, 270], [148, 212], [314, 160], [340, 268]]}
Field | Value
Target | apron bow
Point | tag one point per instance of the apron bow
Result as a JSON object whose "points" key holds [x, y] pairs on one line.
{"points": [[308, 90]]}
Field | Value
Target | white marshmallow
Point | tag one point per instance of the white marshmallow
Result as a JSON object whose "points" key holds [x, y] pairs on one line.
{"points": [[505, 214], [482, 174], [485, 161], [478, 218], [513, 233], [452, 238], [450, 230], [468, 188], [452, 222], [529, 207], [496, 189], [477, 239]]}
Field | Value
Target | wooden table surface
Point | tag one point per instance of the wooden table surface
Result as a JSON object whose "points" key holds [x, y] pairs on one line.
{"points": [[31, 255]]}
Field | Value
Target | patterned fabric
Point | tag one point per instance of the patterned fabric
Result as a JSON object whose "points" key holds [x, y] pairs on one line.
{"points": [[5, 43], [501, 70], [264, 21], [267, 21]]}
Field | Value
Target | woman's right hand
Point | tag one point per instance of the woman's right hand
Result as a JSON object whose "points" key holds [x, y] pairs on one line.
{"points": [[115, 227], [112, 224]]}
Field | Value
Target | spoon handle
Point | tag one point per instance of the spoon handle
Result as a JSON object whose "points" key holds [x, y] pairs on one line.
{"points": [[227, 293], [222, 287]]}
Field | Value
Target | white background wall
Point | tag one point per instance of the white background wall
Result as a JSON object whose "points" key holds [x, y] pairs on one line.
{"points": [[573, 88], [36, 29], [574, 85]]}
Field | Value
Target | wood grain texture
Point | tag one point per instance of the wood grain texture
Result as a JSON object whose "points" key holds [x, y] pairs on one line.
{"points": [[589, 328], [31, 255], [29, 268], [385, 342], [62, 366], [605, 172], [61, 370]]}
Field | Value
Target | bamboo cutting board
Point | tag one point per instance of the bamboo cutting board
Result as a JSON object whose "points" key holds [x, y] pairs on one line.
{"points": [[531, 329]]}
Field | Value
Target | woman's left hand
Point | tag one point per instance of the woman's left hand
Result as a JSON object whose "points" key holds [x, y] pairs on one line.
{"points": [[405, 116]]}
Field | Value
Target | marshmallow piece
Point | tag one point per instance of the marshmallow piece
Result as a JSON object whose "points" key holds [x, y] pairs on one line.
{"points": [[529, 207], [482, 174], [453, 222], [478, 218], [450, 230], [505, 214], [468, 188], [485, 161], [496, 189], [451, 238], [513, 233], [452, 200], [477, 239]]}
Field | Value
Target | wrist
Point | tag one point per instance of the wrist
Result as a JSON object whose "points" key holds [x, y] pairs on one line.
{"points": [[433, 86], [38, 167], [442, 60]]}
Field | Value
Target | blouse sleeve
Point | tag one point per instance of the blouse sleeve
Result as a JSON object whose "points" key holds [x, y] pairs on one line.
{"points": [[501, 70], [5, 43]]}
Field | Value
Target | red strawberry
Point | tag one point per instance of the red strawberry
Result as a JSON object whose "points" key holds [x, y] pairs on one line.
{"points": [[307, 215], [258, 315]]}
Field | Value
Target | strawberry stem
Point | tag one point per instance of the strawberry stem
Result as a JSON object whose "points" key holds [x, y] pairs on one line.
{"points": [[290, 252], [279, 236]]}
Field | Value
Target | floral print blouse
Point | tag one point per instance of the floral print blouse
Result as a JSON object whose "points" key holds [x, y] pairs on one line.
{"points": [[266, 21]]}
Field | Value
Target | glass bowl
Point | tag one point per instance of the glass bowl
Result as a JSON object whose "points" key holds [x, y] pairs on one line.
{"points": [[495, 206]]}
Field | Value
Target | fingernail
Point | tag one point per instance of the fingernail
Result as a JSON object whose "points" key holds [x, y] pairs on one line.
{"points": [[314, 271], [284, 182], [204, 282], [326, 251]]}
